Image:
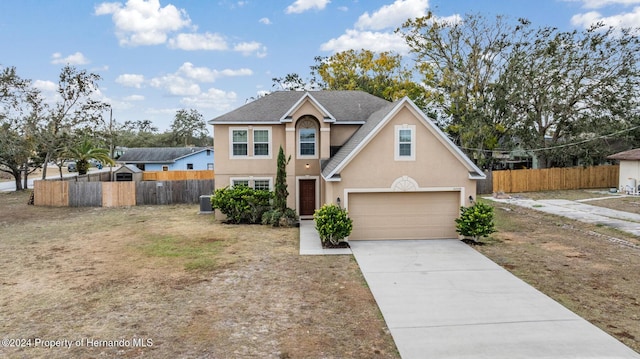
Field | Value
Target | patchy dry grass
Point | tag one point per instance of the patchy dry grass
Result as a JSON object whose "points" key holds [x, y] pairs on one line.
{"points": [[194, 287], [628, 204], [574, 263]]}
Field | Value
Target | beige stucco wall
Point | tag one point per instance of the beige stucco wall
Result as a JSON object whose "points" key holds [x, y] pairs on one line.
{"points": [[250, 166], [435, 167], [629, 170]]}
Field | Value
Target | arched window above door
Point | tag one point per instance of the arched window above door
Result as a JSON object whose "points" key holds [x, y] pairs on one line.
{"points": [[307, 138]]}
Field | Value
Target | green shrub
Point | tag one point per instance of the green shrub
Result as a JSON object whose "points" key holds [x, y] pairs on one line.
{"points": [[277, 218], [475, 221], [332, 223], [242, 204]]}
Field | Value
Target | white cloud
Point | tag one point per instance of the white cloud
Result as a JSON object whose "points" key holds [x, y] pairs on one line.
{"points": [[265, 21], [248, 48], [176, 85], [184, 82], [375, 31], [214, 99], [134, 98], [141, 22], [627, 20], [598, 4], [130, 80], [205, 74], [74, 59], [206, 41], [374, 41], [45, 86], [300, 6], [393, 15]]}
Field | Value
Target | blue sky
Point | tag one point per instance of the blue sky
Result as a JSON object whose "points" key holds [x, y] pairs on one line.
{"points": [[158, 56]]}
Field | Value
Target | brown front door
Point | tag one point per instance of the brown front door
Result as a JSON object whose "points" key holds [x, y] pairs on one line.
{"points": [[307, 197]]}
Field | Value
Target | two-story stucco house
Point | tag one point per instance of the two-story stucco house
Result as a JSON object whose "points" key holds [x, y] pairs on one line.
{"points": [[386, 162]]}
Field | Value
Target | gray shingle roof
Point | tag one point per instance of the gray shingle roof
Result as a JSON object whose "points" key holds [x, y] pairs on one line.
{"points": [[357, 138], [343, 106], [631, 155], [157, 154]]}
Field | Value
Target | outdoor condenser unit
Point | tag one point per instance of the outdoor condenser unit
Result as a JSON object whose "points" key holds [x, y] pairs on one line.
{"points": [[205, 205]]}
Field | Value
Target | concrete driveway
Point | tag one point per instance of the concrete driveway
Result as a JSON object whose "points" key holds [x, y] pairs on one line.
{"points": [[442, 299]]}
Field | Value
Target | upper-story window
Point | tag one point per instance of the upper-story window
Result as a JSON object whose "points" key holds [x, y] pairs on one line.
{"points": [[250, 142], [240, 142], [260, 142], [405, 143], [307, 138]]}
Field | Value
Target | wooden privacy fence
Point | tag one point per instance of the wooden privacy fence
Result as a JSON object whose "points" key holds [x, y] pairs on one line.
{"points": [[117, 194], [550, 179], [177, 175]]}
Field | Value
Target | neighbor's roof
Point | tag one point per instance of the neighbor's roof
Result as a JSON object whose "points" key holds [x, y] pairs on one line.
{"points": [[631, 155], [158, 154], [342, 106]]}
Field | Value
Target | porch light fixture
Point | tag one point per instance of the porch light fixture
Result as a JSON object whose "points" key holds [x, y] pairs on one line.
{"points": [[338, 201], [307, 166], [471, 199]]}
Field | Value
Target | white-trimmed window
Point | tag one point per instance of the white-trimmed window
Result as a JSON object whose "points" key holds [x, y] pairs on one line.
{"points": [[405, 143], [239, 142], [240, 182], [262, 183], [248, 142], [307, 139], [261, 142]]}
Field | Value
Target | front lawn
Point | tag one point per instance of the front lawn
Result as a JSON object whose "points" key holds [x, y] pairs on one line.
{"points": [[193, 287]]}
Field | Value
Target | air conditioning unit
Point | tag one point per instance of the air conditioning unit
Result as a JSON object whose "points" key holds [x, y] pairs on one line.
{"points": [[205, 205]]}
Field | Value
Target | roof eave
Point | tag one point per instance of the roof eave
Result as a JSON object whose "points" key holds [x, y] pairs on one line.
{"points": [[244, 122]]}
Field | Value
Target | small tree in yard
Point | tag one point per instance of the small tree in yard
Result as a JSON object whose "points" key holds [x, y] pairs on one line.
{"points": [[281, 192], [475, 221], [333, 224], [280, 215]]}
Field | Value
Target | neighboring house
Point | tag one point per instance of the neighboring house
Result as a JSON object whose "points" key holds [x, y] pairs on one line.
{"points": [[398, 175], [629, 175], [169, 158]]}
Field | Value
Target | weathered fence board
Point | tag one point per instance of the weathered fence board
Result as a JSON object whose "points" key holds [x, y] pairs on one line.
{"points": [[550, 179], [85, 194], [485, 186], [116, 194], [178, 175], [172, 192]]}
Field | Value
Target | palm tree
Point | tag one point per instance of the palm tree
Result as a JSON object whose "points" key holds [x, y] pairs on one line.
{"points": [[86, 151]]}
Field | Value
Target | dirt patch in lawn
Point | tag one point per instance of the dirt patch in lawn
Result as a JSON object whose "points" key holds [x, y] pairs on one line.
{"points": [[628, 204], [574, 263], [163, 281]]}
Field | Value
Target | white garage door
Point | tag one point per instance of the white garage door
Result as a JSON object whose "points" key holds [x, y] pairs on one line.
{"points": [[404, 215]]}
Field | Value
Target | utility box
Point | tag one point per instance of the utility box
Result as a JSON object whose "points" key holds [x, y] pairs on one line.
{"points": [[205, 205]]}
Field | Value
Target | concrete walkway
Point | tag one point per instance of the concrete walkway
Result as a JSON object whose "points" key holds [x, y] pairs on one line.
{"points": [[442, 299], [624, 221], [310, 244]]}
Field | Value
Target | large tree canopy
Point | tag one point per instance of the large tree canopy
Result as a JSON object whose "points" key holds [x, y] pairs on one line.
{"points": [[19, 131], [563, 87], [461, 60], [381, 74]]}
